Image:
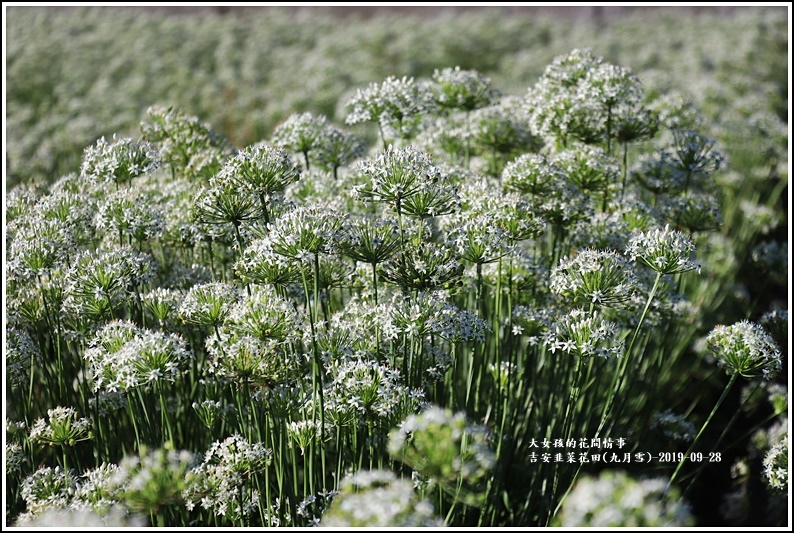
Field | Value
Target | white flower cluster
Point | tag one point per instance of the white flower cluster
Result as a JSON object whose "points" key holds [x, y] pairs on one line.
{"points": [[776, 465], [305, 231], [63, 428], [396, 105], [377, 498], [444, 446], [189, 146], [207, 304], [260, 170], [430, 313], [260, 264], [601, 277], [366, 391], [478, 239], [423, 266], [662, 250], [614, 499], [119, 161], [744, 348], [407, 180], [582, 97], [462, 89], [122, 356], [131, 212], [222, 481], [585, 335]]}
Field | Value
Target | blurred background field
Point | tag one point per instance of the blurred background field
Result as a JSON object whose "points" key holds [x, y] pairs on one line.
{"points": [[76, 74]]}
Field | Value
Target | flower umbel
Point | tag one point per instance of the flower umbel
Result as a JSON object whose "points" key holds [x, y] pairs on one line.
{"points": [[745, 349]]}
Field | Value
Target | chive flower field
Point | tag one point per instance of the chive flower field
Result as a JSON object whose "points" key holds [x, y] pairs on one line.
{"points": [[293, 270]]}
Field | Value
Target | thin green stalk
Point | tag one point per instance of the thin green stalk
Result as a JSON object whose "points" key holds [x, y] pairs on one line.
{"points": [[617, 381], [702, 429], [725, 430]]}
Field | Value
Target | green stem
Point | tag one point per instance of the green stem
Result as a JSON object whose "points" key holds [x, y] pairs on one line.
{"points": [[617, 381], [702, 429]]}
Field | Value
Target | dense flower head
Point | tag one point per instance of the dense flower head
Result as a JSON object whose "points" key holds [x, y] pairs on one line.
{"points": [[744, 348], [589, 168], [73, 210], [478, 239], [408, 181], [446, 447], [119, 161], [189, 146], [511, 212], [153, 478], [531, 174], [162, 303], [249, 359], [47, 488], [776, 465], [305, 231], [603, 231], [207, 304], [263, 314], [582, 97], [568, 69], [366, 391], [377, 498], [63, 427], [584, 334], [369, 239], [261, 265], [20, 201], [396, 105], [613, 499], [501, 128], [132, 213], [98, 488], [225, 200], [423, 266], [600, 277], [461, 89], [122, 356], [664, 251], [36, 246], [261, 169], [97, 283], [563, 204], [221, 482], [300, 133], [675, 110], [431, 313]]}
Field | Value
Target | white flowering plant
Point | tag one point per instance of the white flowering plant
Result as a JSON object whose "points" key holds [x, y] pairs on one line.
{"points": [[506, 308]]}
